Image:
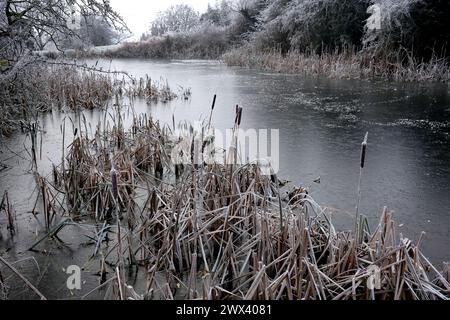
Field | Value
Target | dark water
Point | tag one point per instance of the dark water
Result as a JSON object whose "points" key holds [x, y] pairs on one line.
{"points": [[322, 123]]}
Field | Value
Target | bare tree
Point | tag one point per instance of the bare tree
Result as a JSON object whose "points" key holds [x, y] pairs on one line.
{"points": [[26, 25], [219, 14], [93, 31], [178, 19]]}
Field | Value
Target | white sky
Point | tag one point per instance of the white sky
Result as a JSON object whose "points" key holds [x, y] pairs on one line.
{"points": [[139, 13]]}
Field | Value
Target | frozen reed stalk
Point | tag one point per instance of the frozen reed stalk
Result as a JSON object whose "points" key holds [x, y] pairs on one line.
{"points": [[33, 135], [115, 192], [114, 185], [361, 167]]}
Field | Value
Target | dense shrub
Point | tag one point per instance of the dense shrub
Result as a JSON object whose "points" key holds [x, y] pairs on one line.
{"points": [[205, 42], [310, 24], [418, 28]]}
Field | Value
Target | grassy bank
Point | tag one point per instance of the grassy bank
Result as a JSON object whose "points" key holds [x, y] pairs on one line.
{"points": [[347, 65]]}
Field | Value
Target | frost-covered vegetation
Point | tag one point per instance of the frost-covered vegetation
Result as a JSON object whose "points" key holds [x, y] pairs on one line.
{"points": [[192, 45], [27, 26], [182, 33], [408, 40]]}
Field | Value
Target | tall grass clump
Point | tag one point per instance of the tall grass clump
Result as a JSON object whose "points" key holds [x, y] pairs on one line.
{"points": [[347, 64]]}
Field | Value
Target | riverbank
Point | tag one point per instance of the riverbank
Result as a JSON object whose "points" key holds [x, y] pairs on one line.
{"points": [[347, 65], [367, 39]]}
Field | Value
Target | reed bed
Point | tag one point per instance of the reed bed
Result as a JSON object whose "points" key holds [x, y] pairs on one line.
{"points": [[222, 230], [349, 64], [64, 86], [153, 91], [77, 89]]}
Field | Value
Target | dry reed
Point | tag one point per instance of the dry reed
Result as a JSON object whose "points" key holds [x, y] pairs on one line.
{"points": [[342, 65], [64, 86], [224, 231]]}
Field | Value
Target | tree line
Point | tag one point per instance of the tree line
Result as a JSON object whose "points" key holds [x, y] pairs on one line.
{"points": [[417, 27]]}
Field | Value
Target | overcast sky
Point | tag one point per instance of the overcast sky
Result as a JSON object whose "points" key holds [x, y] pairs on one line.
{"points": [[139, 13]]}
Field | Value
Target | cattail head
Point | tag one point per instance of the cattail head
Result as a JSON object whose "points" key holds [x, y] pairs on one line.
{"points": [[214, 102], [238, 115], [55, 175], [363, 150]]}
